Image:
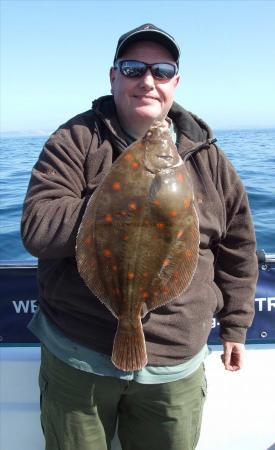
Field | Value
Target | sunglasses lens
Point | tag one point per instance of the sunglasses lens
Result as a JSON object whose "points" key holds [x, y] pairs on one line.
{"points": [[132, 69], [163, 71]]}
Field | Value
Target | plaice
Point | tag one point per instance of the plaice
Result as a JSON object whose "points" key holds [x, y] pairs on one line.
{"points": [[137, 246]]}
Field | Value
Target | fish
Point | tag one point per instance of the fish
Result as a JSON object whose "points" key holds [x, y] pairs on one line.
{"points": [[138, 243]]}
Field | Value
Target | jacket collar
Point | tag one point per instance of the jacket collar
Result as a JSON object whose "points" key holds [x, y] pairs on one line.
{"points": [[192, 132]]}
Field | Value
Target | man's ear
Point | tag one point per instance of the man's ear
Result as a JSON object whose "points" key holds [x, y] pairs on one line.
{"points": [[112, 75], [176, 80]]}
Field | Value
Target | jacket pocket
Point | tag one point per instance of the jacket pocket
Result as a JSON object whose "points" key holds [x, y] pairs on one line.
{"points": [[218, 296]]}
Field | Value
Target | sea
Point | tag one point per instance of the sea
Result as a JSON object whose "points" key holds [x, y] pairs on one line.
{"points": [[252, 152]]}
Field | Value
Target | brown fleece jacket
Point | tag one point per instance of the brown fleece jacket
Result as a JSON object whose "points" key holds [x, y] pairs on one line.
{"points": [[72, 164]]}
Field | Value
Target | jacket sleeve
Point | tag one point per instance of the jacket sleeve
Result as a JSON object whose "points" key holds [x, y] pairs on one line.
{"points": [[56, 195], [236, 265]]}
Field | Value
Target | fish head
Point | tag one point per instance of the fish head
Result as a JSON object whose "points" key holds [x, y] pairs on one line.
{"points": [[160, 152]]}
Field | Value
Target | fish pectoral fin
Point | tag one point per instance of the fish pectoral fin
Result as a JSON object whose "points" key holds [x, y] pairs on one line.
{"points": [[129, 351], [155, 187]]}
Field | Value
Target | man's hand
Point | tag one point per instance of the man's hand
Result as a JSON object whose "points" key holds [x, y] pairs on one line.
{"points": [[233, 355]]}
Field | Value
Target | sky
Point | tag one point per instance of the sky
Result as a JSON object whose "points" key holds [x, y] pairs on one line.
{"points": [[56, 56]]}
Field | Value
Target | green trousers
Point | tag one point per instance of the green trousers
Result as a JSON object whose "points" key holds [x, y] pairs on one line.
{"points": [[81, 411]]}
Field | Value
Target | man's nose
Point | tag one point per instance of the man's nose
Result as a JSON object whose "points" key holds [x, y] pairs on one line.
{"points": [[147, 79]]}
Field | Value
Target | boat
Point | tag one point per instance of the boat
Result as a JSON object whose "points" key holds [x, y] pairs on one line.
{"points": [[240, 408]]}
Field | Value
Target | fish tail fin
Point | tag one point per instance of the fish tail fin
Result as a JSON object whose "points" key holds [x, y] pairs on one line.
{"points": [[129, 351]]}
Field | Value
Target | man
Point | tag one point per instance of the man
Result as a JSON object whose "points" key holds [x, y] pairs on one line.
{"points": [[82, 393]]}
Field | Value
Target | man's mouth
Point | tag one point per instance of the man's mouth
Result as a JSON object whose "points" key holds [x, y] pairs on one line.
{"points": [[145, 97]]}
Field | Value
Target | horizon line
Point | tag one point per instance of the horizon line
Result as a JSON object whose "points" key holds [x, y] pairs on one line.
{"points": [[48, 132]]}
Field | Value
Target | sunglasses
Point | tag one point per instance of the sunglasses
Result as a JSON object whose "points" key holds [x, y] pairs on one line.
{"points": [[136, 69]]}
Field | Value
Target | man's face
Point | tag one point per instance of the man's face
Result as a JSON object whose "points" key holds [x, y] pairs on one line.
{"points": [[145, 98]]}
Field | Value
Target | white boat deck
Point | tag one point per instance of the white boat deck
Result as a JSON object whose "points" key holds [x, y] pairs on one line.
{"points": [[239, 412]]}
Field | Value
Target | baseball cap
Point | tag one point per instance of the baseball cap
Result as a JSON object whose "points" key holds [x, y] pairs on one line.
{"points": [[148, 32]]}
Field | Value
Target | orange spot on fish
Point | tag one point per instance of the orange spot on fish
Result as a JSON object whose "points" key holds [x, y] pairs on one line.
{"points": [[160, 226], [88, 241], [108, 218], [173, 213], [107, 253], [186, 203], [135, 165], [116, 186], [180, 178], [188, 253], [156, 202], [130, 275], [116, 291], [132, 205], [145, 295], [128, 157]]}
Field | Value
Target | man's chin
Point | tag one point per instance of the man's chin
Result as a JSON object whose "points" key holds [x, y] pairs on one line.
{"points": [[148, 114]]}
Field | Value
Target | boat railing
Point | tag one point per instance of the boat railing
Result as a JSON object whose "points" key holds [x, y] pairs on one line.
{"points": [[19, 300], [263, 259]]}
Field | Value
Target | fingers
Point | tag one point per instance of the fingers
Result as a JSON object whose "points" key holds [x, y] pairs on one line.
{"points": [[233, 356], [232, 363]]}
